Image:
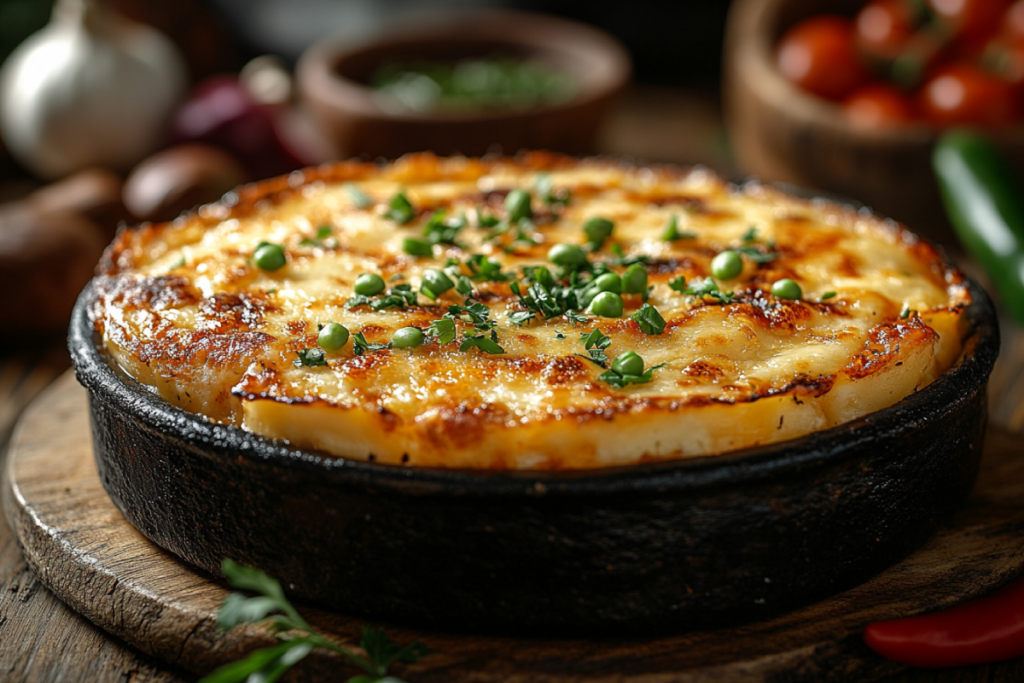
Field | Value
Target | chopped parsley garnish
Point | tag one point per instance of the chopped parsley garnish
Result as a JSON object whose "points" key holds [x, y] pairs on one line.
{"points": [[827, 295], [482, 342], [399, 296], [595, 343], [475, 313], [548, 194], [361, 346], [678, 284], [322, 238], [620, 260], [400, 209], [415, 247], [545, 303], [649, 320], [518, 205], [750, 235], [485, 220], [520, 235], [702, 287], [463, 285], [905, 312], [559, 336], [708, 287], [484, 269], [485, 337], [309, 358], [359, 198], [520, 318], [296, 638], [671, 233], [443, 230], [442, 330], [755, 254]]}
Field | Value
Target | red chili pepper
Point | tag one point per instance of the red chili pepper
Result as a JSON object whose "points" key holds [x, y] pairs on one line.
{"points": [[978, 632]]}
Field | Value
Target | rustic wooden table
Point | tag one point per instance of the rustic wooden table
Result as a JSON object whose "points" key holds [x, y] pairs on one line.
{"points": [[41, 640]]}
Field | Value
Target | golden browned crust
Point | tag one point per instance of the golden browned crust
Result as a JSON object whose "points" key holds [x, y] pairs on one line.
{"points": [[217, 335]]}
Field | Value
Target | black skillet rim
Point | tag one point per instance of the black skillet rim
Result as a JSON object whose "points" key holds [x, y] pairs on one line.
{"points": [[941, 397]]}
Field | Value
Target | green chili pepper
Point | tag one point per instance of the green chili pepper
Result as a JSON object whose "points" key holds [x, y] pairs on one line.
{"points": [[983, 202]]}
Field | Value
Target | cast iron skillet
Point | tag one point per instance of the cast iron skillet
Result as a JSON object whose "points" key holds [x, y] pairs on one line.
{"points": [[698, 543]]}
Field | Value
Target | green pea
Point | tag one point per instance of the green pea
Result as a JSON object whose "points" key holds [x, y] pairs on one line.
{"points": [[787, 289], [435, 283], [628, 363], [407, 337], [609, 282], [567, 255], [332, 337], [727, 265], [544, 277], [369, 284], [269, 256], [415, 247], [634, 280], [598, 229], [606, 305], [517, 203]]}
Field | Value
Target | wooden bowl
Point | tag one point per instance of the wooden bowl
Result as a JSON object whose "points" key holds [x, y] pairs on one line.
{"points": [[666, 546], [779, 132], [333, 84]]}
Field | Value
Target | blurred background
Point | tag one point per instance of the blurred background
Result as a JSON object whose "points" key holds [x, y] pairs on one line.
{"points": [[675, 50]]}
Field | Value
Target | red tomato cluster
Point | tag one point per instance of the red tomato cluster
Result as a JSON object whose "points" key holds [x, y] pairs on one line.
{"points": [[944, 62]]}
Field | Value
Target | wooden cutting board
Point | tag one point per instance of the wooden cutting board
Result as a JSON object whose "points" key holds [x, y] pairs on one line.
{"points": [[84, 551]]}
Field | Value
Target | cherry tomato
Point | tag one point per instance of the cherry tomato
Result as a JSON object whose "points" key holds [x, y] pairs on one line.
{"points": [[818, 55], [879, 106], [973, 22], [883, 28], [1013, 21], [962, 94]]}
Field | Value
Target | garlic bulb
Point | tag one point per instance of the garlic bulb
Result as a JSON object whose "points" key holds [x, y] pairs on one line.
{"points": [[91, 88]]}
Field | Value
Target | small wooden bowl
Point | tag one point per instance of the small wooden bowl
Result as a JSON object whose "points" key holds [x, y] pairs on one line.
{"points": [[333, 83], [782, 133]]}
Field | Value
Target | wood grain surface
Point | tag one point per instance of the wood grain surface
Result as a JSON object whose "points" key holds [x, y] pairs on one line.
{"points": [[84, 551]]}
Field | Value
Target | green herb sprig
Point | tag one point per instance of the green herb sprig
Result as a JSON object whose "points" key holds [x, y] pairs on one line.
{"points": [[358, 197], [442, 330], [322, 239], [400, 209], [297, 637], [361, 346], [443, 229], [547, 192], [484, 335], [546, 302], [595, 343], [756, 254], [399, 296], [672, 233], [309, 358], [649, 319], [702, 287]]}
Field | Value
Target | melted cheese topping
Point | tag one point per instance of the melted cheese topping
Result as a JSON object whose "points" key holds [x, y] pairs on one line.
{"points": [[183, 309]]}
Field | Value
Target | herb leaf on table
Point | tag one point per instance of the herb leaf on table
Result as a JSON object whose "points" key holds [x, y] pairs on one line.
{"points": [[283, 620]]}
